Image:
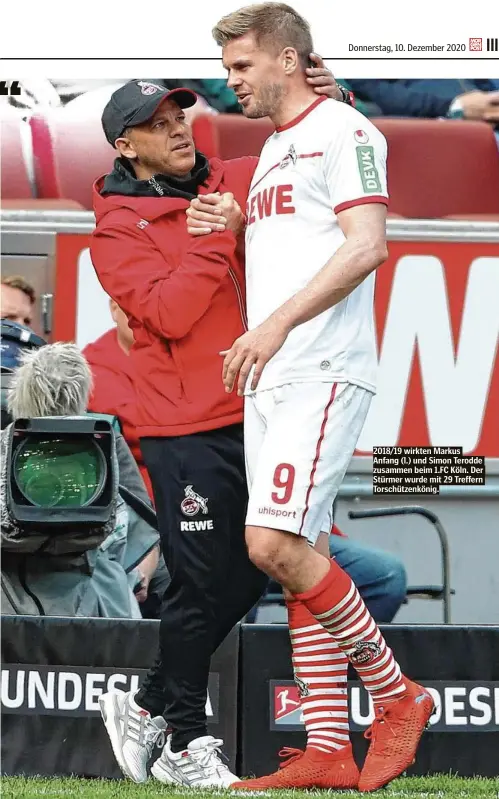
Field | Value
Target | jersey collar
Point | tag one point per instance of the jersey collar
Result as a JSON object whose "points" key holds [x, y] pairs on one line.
{"points": [[301, 116]]}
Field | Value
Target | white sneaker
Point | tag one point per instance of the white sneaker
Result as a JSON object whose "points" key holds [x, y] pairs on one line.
{"points": [[198, 766], [133, 732]]}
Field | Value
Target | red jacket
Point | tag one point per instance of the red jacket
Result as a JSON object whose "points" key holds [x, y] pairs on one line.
{"points": [[114, 391], [184, 299]]}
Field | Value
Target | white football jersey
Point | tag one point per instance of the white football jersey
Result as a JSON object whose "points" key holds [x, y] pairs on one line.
{"points": [[328, 159]]}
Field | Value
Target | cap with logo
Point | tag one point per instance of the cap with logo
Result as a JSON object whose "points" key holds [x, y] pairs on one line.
{"points": [[136, 102]]}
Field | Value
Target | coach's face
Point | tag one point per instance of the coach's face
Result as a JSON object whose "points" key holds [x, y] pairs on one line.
{"points": [[256, 75], [163, 144]]}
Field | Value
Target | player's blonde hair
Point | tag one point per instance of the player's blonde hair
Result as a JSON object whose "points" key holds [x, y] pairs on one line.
{"points": [[274, 26]]}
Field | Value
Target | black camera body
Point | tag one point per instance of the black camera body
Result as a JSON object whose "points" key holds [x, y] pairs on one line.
{"points": [[61, 473]]}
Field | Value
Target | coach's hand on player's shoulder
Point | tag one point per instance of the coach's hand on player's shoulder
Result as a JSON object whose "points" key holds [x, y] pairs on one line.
{"points": [[254, 348], [322, 79], [211, 213]]}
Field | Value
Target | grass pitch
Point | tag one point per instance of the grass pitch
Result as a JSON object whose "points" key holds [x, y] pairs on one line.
{"points": [[438, 787]]}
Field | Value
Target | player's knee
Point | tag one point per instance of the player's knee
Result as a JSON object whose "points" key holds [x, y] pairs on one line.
{"points": [[262, 548], [271, 551]]}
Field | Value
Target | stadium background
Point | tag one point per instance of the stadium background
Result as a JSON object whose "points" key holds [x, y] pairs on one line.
{"points": [[438, 348]]}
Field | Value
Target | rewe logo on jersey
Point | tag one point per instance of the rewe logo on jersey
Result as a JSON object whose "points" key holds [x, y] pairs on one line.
{"points": [[274, 200]]}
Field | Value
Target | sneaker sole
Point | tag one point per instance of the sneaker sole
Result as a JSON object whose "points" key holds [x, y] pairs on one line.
{"points": [[162, 775], [168, 778], [108, 710]]}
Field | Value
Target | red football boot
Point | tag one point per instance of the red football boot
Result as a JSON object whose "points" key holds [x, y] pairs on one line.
{"points": [[395, 734], [309, 769]]}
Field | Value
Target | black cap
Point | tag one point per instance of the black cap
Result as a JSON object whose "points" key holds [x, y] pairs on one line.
{"points": [[136, 102]]}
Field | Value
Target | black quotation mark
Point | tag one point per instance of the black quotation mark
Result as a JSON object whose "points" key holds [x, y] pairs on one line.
{"points": [[14, 89]]}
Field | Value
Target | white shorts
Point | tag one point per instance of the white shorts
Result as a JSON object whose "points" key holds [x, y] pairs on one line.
{"points": [[299, 440]]}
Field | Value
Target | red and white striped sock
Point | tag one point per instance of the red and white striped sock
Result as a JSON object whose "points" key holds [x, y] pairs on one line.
{"points": [[320, 669], [339, 608]]}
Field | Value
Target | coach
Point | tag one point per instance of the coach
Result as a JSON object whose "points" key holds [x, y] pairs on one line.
{"points": [[184, 299]]}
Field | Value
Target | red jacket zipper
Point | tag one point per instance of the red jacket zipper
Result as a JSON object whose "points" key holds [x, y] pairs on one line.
{"points": [[242, 310]]}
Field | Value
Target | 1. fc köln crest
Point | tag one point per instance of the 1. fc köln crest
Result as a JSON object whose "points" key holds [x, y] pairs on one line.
{"points": [[193, 502]]}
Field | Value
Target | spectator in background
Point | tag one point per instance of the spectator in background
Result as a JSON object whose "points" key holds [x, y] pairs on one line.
{"points": [[114, 375], [17, 300], [476, 99], [215, 91]]}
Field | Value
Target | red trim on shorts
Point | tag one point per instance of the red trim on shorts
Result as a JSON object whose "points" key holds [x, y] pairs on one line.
{"points": [[305, 155], [317, 454], [301, 116], [375, 198]]}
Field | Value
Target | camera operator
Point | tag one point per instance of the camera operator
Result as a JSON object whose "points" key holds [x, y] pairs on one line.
{"points": [[55, 380]]}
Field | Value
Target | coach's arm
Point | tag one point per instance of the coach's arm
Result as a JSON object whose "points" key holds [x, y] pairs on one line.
{"points": [[164, 293], [363, 250]]}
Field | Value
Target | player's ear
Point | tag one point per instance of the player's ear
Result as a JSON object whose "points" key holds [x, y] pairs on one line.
{"points": [[290, 60]]}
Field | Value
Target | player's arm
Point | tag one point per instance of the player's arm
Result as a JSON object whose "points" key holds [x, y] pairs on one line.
{"points": [[364, 249], [354, 168]]}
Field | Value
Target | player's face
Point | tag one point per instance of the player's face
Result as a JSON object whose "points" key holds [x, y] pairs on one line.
{"points": [[256, 76], [163, 144]]}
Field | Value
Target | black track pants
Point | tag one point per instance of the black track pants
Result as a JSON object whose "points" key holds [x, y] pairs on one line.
{"points": [[200, 495]]}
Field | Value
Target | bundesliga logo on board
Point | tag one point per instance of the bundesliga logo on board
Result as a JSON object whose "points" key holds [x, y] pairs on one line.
{"points": [[287, 705]]}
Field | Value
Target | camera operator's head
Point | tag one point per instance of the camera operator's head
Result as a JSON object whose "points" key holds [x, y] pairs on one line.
{"points": [[54, 380]]}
